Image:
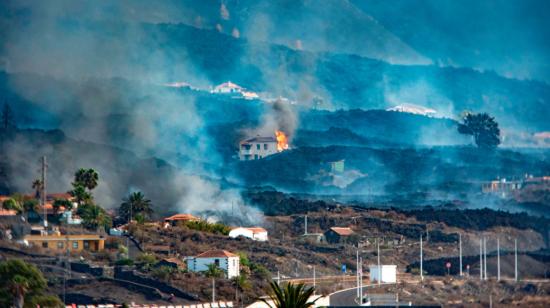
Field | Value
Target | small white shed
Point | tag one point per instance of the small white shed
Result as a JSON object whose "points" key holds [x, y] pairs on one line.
{"points": [[255, 233], [386, 273]]}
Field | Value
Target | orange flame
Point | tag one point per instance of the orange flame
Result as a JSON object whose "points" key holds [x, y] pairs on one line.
{"points": [[282, 141]]}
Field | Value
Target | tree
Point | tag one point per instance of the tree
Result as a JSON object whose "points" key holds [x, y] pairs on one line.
{"points": [[11, 204], [87, 178], [135, 204], [37, 186], [30, 206], [7, 117], [58, 203], [22, 283], [292, 295], [214, 271], [81, 195], [483, 127], [93, 216]]}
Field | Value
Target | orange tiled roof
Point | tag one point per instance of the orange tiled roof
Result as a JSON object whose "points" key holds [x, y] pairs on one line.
{"points": [[4, 212], [342, 231], [182, 217], [216, 254], [257, 229]]}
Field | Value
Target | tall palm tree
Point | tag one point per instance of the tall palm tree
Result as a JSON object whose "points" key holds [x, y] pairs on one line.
{"points": [[37, 186], [81, 195], [87, 178], [134, 204], [18, 286], [290, 296]]}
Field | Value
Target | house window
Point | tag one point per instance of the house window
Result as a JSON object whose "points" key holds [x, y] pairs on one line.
{"points": [[60, 245], [75, 245], [265, 146], [86, 245], [255, 156], [44, 244], [217, 262], [257, 146]]}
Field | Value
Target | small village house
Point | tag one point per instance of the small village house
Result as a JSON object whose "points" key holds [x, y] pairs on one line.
{"points": [[73, 242], [255, 233], [336, 235], [227, 88], [225, 260], [257, 148], [180, 218]]}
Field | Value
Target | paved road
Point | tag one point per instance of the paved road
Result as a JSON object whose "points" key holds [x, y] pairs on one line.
{"points": [[347, 297]]}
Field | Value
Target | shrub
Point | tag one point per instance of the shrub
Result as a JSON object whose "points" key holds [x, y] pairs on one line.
{"points": [[162, 272], [125, 261]]}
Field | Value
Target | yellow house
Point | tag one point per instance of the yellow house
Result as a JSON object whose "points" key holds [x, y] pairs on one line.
{"points": [[73, 242]]}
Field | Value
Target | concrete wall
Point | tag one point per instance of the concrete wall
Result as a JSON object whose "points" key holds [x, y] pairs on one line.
{"points": [[388, 272]]}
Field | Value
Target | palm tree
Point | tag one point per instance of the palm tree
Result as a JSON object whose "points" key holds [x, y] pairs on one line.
{"points": [[214, 271], [87, 178], [81, 195], [93, 216], [37, 186], [290, 296], [18, 286], [135, 204]]}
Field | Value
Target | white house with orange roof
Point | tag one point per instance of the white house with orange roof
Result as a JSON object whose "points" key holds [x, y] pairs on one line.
{"points": [[255, 233], [225, 260]]}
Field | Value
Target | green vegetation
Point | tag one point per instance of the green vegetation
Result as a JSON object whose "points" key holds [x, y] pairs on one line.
{"points": [[204, 226], [11, 204], [58, 203], [148, 260], [483, 127], [85, 180], [136, 206], [93, 216], [22, 285], [37, 186], [162, 272], [291, 295], [214, 271], [125, 261]]}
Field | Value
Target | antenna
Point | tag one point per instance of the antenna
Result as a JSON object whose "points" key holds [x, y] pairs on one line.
{"points": [[421, 270], [460, 252], [498, 259]]}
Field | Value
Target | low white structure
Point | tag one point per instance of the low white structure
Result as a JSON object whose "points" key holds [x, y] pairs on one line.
{"points": [[227, 87], [388, 273], [70, 218], [227, 261], [255, 233], [257, 148]]}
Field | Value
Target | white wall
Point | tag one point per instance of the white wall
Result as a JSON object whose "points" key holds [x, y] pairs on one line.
{"points": [[230, 265], [389, 273], [259, 236], [262, 152]]}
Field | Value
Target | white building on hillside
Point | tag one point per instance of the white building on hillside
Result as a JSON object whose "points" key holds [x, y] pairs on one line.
{"points": [[227, 87], [227, 261], [255, 233], [257, 147], [414, 109], [387, 272]]}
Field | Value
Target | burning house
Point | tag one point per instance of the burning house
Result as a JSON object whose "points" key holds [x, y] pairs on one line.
{"points": [[259, 147]]}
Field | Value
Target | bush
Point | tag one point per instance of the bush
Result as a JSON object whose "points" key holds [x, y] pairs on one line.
{"points": [[162, 272], [125, 261], [204, 226]]}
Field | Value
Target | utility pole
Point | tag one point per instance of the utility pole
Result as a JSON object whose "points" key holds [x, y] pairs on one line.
{"points": [[485, 257], [460, 252], [357, 274], [379, 268], [43, 191], [421, 269], [516, 260], [278, 278], [498, 259], [480, 259], [305, 225], [361, 282]]}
